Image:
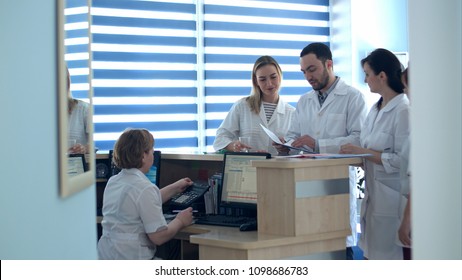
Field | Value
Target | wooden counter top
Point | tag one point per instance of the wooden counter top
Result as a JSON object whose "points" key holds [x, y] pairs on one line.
{"points": [[286, 162], [229, 243], [172, 156], [230, 237], [201, 157]]}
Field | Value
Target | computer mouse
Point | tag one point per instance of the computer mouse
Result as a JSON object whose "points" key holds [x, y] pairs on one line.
{"points": [[248, 226]]}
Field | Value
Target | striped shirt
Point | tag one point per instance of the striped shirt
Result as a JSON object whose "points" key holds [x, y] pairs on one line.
{"points": [[269, 110]]}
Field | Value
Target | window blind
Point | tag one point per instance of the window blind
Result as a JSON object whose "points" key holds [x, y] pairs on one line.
{"points": [[145, 72], [76, 42], [237, 32], [176, 67]]}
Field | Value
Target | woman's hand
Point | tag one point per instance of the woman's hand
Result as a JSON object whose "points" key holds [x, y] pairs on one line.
{"points": [[181, 185], [351, 149], [175, 188], [182, 219], [374, 156], [185, 216], [237, 146], [77, 149], [404, 233]]}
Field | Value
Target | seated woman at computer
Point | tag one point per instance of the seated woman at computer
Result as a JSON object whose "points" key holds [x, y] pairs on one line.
{"points": [[78, 125], [264, 106], [133, 223]]}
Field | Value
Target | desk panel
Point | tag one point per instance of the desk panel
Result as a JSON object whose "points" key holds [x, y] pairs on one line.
{"points": [[197, 167], [229, 243], [283, 211], [303, 196]]}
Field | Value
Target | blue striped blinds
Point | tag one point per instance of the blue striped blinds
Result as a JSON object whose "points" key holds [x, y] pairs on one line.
{"points": [[145, 71], [176, 67], [77, 50], [236, 33]]}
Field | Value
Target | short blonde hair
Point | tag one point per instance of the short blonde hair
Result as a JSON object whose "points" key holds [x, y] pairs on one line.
{"points": [[130, 147]]}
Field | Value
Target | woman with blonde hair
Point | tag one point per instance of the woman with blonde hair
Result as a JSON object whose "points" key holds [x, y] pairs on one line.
{"points": [[264, 107], [78, 122]]}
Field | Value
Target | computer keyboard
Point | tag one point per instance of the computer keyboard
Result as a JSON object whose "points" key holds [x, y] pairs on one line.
{"points": [[224, 220]]}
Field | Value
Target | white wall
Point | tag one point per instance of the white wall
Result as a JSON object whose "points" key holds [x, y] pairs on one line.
{"points": [[435, 80], [431, 32], [35, 222], [342, 39], [360, 26]]}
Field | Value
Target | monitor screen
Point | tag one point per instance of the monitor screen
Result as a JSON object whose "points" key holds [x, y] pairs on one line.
{"points": [[76, 164], [154, 172], [239, 183]]}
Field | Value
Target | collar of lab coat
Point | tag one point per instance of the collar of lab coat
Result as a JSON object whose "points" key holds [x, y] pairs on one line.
{"points": [[395, 102], [340, 89], [280, 109], [136, 172]]}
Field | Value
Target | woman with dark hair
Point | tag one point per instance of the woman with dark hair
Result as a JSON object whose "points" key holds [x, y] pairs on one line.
{"points": [[264, 106], [383, 135]]}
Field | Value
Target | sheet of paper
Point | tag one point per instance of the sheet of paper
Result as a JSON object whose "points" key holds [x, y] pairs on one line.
{"points": [[271, 135], [276, 139]]}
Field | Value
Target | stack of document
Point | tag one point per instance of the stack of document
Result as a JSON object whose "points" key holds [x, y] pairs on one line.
{"points": [[211, 196], [308, 150], [319, 156]]}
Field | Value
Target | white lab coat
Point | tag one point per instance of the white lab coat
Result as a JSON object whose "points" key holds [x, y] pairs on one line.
{"points": [[405, 184], [336, 123], [240, 121], [78, 125], [132, 208], [385, 131]]}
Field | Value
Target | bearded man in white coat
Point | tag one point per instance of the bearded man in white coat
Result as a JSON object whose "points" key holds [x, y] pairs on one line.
{"points": [[328, 116]]}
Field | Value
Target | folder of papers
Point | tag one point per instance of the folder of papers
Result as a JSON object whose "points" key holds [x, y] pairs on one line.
{"points": [[211, 196], [309, 151], [321, 156]]}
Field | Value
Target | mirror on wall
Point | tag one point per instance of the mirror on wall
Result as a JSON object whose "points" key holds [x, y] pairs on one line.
{"points": [[75, 108]]}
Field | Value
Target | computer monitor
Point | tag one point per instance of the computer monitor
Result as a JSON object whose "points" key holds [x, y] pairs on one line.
{"points": [[153, 174], [239, 183], [114, 169], [76, 164]]}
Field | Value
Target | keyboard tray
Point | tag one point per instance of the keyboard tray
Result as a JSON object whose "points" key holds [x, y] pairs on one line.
{"points": [[223, 220]]}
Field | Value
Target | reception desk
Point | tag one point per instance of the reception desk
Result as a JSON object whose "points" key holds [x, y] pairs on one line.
{"points": [[195, 166], [303, 208], [220, 243]]}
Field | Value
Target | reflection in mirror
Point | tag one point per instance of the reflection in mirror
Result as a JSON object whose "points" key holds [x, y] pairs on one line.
{"points": [[78, 123], [74, 97]]}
